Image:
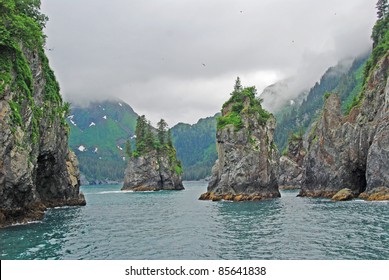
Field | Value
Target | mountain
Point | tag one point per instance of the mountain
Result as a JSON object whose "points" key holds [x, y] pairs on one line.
{"points": [[347, 153], [37, 170], [100, 130], [297, 115], [276, 97], [196, 147], [98, 135]]}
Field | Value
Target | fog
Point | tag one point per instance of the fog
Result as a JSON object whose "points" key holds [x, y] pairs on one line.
{"points": [[178, 59]]}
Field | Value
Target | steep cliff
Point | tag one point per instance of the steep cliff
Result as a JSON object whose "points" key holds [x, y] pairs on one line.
{"points": [[246, 168], [37, 170], [291, 163], [153, 166], [351, 151], [151, 172]]}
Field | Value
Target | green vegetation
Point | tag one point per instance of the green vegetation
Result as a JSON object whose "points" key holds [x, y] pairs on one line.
{"points": [[243, 101], [196, 147], [347, 84], [148, 141], [21, 36], [380, 36], [102, 138]]}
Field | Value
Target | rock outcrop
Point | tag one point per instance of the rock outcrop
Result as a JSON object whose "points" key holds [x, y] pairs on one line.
{"points": [[352, 151], [291, 170], [343, 195], [151, 172], [247, 163], [153, 166], [37, 170], [379, 193]]}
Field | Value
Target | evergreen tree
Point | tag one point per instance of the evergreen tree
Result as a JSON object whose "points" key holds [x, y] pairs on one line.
{"points": [[169, 138], [238, 85], [149, 137], [128, 149], [140, 133], [161, 131], [382, 8]]}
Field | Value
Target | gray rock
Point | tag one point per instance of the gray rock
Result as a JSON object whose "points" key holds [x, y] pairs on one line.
{"points": [[151, 172], [247, 163], [352, 151], [36, 168]]}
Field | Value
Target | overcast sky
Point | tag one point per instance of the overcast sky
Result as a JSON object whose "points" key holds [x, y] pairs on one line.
{"points": [[178, 59]]}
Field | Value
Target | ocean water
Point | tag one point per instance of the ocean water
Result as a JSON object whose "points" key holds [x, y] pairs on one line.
{"points": [[175, 225]]}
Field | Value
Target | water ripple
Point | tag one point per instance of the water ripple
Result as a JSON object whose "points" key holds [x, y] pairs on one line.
{"points": [[175, 225]]}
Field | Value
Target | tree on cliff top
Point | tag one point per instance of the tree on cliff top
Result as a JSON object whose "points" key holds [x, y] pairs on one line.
{"points": [[382, 8], [243, 101], [148, 140], [380, 36]]}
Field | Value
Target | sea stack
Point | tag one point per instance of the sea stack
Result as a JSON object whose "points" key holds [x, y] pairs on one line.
{"points": [[247, 163], [37, 170], [153, 166]]}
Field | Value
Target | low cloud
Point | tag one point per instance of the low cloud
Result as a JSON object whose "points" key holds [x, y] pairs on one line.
{"points": [[178, 60]]}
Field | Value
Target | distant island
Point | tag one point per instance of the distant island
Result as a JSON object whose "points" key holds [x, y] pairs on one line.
{"points": [[153, 165]]}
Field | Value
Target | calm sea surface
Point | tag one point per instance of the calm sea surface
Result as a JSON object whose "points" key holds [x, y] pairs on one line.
{"points": [[175, 225]]}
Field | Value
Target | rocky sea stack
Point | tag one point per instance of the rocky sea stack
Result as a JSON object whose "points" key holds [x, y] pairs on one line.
{"points": [[37, 170], [153, 166], [247, 163]]}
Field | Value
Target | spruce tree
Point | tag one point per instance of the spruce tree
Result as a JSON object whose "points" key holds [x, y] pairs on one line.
{"points": [[149, 137], [128, 149], [238, 85], [169, 138], [162, 130], [140, 133], [382, 8]]}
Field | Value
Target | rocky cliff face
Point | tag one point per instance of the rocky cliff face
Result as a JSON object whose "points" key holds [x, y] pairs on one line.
{"points": [[246, 168], [291, 170], [351, 152], [151, 172], [36, 168]]}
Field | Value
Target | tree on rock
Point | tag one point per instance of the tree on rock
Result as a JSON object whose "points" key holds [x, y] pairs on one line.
{"points": [[154, 165], [382, 8]]}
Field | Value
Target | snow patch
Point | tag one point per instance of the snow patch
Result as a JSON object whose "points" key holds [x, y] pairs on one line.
{"points": [[120, 104], [105, 117], [92, 124], [120, 148], [71, 120], [124, 159], [82, 148], [133, 137], [96, 149]]}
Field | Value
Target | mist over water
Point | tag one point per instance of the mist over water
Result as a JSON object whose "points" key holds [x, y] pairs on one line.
{"points": [[175, 225]]}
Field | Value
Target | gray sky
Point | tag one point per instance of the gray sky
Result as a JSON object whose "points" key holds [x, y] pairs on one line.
{"points": [[178, 59]]}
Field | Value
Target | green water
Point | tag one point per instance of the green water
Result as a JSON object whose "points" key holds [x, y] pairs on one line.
{"points": [[175, 225]]}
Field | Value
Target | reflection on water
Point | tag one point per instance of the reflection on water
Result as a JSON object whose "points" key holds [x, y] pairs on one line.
{"points": [[176, 225]]}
